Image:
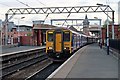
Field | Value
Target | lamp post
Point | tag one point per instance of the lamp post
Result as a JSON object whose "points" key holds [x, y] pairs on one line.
{"points": [[19, 30], [99, 35], [1, 33], [107, 28]]}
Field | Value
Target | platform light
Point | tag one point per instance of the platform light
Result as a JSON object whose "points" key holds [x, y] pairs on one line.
{"points": [[19, 30], [107, 28]]}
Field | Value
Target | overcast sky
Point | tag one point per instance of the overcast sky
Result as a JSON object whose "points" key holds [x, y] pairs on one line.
{"points": [[7, 4]]}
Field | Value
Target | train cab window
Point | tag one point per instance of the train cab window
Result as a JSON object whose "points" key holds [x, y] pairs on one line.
{"points": [[50, 36], [66, 36]]}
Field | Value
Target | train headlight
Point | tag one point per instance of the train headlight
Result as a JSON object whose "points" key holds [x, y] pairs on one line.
{"points": [[65, 48], [50, 48]]}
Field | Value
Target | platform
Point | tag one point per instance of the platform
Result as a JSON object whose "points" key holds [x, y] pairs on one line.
{"points": [[20, 48], [89, 63]]}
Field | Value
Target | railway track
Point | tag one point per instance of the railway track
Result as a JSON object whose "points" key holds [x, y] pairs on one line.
{"points": [[43, 73], [27, 65], [16, 67], [28, 71], [17, 56], [18, 62]]}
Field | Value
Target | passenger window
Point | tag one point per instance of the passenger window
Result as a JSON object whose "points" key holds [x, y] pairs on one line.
{"points": [[50, 36], [66, 36]]}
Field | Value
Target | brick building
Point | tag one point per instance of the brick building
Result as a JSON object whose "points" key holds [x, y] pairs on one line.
{"points": [[12, 34], [116, 30]]}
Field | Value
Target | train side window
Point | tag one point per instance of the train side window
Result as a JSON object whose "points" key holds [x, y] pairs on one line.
{"points": [[66, 36], [50, 36], [72, 40]]}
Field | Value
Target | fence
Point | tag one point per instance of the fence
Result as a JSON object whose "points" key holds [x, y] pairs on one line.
{"points": [[11, 41], [115, 43]]}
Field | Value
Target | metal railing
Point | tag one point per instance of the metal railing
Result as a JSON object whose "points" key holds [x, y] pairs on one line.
{"points": [[115, 43]]}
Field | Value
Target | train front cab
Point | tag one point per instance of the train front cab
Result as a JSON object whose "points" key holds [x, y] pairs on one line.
{"points": [[58, 44], [49, 41]]}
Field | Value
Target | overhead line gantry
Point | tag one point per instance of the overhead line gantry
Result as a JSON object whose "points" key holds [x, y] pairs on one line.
{"points": [[59, 10]]}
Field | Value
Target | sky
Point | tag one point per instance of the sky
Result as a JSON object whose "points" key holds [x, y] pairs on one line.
{"points": [[5, 5]]}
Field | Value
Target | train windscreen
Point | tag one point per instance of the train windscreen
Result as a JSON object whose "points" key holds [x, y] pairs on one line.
{"points": [[66, 36], [50, 36]]}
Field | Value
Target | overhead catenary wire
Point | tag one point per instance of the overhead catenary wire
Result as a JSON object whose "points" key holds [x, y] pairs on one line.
{"points": [[23, 3], [41, 2], [46, 17], [43, 5], [4, 4], [31, 7], [66, 18]]}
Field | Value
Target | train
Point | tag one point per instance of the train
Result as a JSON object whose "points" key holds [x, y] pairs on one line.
{"points": [[61, 43]]}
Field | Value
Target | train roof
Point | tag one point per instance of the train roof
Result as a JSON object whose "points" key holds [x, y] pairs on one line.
{"points": [[74, 32], [58, 28]]}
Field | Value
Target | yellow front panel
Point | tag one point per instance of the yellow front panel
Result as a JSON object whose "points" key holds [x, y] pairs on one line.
{"points": [[58, 42], [67, 44], [48, 43]]}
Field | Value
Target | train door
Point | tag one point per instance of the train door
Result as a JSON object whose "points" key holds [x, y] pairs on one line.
{"points": [[58, 42], [74, 42]]}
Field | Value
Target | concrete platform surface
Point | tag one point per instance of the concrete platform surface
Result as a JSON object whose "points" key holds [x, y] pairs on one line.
{"points": [[20, 48], [88, 62]]}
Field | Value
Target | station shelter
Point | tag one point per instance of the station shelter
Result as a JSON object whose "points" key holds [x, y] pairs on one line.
{"points": [[39, 33]]}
